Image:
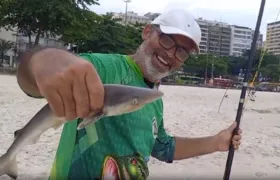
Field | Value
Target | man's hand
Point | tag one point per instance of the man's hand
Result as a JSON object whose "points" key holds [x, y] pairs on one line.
{"points": [[70, 84], [223, 138]]}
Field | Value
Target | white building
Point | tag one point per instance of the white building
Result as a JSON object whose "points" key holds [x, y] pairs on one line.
{"points": [[273, 38], [203, 24], [225, 39], [21, 43], [241, 39], [132, 17], [215, 37]]}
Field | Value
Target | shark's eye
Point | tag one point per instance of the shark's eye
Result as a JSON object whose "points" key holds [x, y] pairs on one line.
{"points": [[135, 101]]}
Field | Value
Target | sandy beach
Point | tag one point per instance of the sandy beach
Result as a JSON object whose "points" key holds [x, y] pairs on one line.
{"points": [[189, 112]]}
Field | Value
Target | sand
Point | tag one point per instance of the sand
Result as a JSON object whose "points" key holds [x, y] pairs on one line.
{"points": [[189, 112]]}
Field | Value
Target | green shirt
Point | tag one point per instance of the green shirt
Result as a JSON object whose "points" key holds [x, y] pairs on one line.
{"points": [[128, 140]]}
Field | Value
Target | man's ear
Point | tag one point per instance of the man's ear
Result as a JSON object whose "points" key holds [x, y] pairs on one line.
{"points": [[147, 31]]}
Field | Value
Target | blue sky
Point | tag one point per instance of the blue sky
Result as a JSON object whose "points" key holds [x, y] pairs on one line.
{"points": [[238, 12]]}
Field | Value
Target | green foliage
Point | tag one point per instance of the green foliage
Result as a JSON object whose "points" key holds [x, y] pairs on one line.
{"points": [[197, 65], [41, 18], [85, 3], [73, 22], [272, 71], [104, 34], [224, 66], [4, 47]]}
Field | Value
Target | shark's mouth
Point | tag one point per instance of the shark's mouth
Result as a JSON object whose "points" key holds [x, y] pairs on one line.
{"points": [[111, 170]]}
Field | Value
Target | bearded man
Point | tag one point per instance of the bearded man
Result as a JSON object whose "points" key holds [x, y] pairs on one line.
{"points": [[118, 146]]}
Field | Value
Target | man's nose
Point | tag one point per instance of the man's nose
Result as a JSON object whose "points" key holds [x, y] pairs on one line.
{"points": [[171, 52]]}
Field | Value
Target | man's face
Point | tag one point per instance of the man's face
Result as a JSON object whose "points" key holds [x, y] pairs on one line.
{"points": [[160, 54]]}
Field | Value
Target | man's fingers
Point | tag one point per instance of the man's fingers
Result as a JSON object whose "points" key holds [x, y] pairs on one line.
{"points": [[68, 101], [236, 143], [74, 91], [81, 97], [95, 90], [237, 137], [236, 147], [56, 103]]}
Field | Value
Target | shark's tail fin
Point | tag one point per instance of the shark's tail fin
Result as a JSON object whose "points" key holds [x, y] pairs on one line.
{"points": [[8, 166]]}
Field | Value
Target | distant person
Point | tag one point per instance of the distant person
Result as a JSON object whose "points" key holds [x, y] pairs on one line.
{"points": [[119, 146], [252, 92]]}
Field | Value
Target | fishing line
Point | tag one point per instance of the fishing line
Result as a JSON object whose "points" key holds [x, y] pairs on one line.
{"points": [[256, 73], [264, 51]]}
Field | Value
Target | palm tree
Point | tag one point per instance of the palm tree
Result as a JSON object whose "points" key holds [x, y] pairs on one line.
{"points": [[5, 46], [86, 3]]}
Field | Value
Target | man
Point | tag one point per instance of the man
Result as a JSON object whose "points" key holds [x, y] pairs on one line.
{"points": [[252, 91], [120, 146]]}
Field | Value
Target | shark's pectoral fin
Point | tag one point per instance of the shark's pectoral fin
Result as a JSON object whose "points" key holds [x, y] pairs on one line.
{"points": [[91, 119], [16, 133], [13, 170], [8, 166]]}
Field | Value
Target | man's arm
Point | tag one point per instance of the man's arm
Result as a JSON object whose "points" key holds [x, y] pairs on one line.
{"points": [[164, 146], [168, 148], [191, 147]]}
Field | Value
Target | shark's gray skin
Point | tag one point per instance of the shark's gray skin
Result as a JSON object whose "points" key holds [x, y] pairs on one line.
{"points": [[118, 99]]}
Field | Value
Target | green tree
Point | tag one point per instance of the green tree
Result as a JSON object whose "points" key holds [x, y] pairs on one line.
{"points": [[5, 46], [272, 71], [105, 34], [85, 3], [41, 18], [82, 28], [197, 65]]}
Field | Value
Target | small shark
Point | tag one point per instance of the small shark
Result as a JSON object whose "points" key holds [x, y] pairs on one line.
{"points": [[118, 99]]}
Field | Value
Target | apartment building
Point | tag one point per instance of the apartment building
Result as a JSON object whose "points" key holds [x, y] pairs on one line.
{"points": [[215, 37], [272, 43], [21, 43], [241, 39], [132, 17], [151, 16], [204, 35], [224, 39], [260, 42]]}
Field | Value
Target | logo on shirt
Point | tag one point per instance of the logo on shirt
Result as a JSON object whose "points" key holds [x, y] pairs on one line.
{"points": [[155, 128]]}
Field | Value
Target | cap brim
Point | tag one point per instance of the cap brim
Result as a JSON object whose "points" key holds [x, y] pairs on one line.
{"points": [[173, 30]]}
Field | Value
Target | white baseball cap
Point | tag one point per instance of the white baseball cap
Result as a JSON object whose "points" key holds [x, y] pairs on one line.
{"points": [[179, 21]]}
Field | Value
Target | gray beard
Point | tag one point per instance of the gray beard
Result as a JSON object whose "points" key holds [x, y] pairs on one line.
{"points": [[144, 59]]}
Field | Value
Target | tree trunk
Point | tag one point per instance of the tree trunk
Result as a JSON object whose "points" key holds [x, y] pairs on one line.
{"points": [[29, 41], [37, 37], [1, 58]]}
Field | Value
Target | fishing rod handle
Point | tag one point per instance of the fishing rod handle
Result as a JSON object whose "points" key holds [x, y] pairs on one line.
{"points": [[229, 163]]}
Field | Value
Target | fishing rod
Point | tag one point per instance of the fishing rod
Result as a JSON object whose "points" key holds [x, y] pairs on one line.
{"points": [[243, 91], [223, 99]]}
